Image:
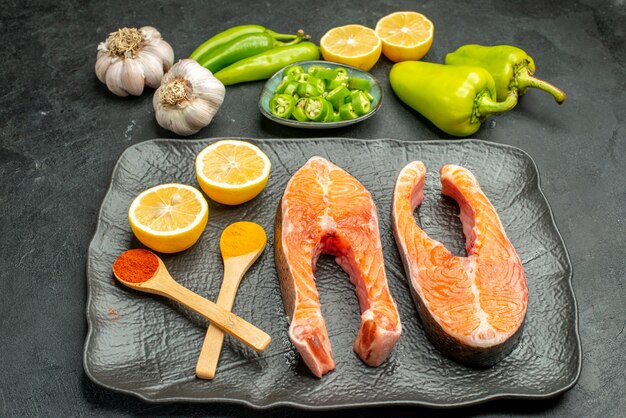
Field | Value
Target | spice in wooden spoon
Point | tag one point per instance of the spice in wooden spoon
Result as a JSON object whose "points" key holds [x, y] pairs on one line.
{"points": [[143, 270]]}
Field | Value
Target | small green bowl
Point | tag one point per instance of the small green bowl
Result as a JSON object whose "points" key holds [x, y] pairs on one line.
{"points": [[270, 87]]}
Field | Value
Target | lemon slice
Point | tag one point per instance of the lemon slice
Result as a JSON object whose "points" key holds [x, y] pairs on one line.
{"points": [[405, 35], [232, 172], [353, 45], [169, 217]]}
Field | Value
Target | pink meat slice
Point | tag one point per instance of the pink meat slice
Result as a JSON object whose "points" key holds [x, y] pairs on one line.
{"points": [[326, 210], [473, 307]]}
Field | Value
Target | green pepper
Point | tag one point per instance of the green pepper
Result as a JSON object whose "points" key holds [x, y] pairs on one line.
{"points": [[337, 96], [317, 109], [233, 33], [318, 83], [298, 111], [293, 71], [264, 65], [291, 88], [282, 105], [360, 102], [341, 79], [511, 68], [243, 47], [457, 99], [347, 112], [307, 90], [323, 73], [355, 83]]}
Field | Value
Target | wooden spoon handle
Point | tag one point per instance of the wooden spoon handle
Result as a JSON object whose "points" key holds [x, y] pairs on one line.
{"points": [[222, 318], [212, 345]]}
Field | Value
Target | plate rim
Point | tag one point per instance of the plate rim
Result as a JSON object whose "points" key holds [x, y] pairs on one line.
{"points": [[302, 406]]}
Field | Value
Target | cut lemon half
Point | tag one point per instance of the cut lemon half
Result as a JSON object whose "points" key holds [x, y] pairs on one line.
{"points": [[405, 35], [232, 172], [169, 218], [353, 45]]}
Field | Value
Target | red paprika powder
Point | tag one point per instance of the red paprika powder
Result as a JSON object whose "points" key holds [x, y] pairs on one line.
{"points": [[136, 266]]}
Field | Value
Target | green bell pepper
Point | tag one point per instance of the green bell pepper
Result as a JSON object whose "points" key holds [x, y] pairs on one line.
{"points": [[511, 68], [457, 99]]}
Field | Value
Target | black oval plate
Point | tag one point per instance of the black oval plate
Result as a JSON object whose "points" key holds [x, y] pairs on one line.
{"points": [[147, 346]]}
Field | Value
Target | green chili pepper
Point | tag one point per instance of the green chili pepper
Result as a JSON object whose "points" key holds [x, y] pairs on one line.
{"points": [[341, 79], [457, 99], [307, 90], [291, 88], [243, 47], [282, 105], [337, 96], [323, 73], [293, 71], [511, 68], [347, 112], [233, 33], [298, 111], [360, 102], [264, 65], [318, 83], [358, 84], [317, 109]]}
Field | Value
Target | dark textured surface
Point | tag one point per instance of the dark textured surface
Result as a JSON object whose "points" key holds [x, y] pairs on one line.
{"points": [[62, 133], [141, 345]]}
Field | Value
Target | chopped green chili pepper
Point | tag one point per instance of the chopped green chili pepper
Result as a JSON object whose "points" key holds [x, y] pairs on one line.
{"points": [[264, 65], [358, 84], [228, 35], [243, 47], [340, 79], [337, 96], [511, 68], [314, 99], [317, 109], [291, 88], [457, 99], [293, 71], [307, 90], [347, 112], [282, 105], [360, 103], [318, 83], [324, 73], [298, 111]]}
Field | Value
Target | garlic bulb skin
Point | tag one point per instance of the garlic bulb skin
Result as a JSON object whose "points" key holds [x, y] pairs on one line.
{"points": [[131, 58], [188, 98]]}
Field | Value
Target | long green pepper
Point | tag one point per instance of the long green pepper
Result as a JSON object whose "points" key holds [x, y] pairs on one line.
{"points": [[243, 47], [457, 99], [233, 33], [511, 68], [264, 65]]}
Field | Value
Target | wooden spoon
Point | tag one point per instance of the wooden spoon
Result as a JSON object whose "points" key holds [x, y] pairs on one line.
{"points": [[161, 283], [241, 245]]}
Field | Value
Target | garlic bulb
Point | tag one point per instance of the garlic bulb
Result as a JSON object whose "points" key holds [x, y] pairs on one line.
{"points": [[131, 58], [188, 98]]}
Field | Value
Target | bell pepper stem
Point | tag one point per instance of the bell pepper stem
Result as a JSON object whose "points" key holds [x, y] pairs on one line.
{"points": [[525, 79], [486, 106]]}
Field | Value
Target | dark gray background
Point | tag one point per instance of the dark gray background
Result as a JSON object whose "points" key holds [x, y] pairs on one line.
{"points": [[62, 131]]}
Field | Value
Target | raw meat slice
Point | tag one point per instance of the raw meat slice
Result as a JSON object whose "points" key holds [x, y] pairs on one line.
{"points": [[326, 210], [473, 307]]}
